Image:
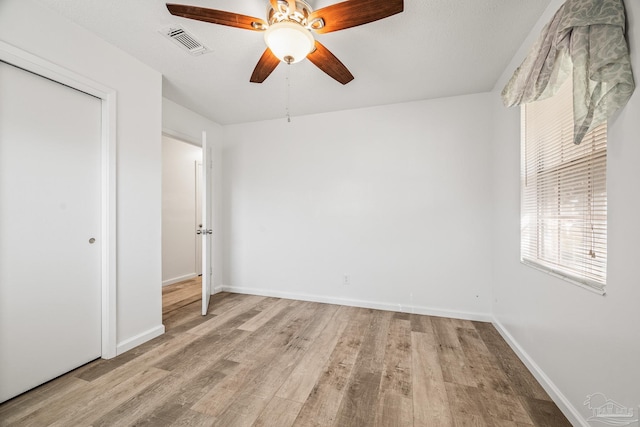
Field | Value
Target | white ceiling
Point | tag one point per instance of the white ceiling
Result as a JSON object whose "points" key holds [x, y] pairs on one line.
{"points": [[435, 48]]}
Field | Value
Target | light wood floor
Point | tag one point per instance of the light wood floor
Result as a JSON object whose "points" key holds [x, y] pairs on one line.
{"points": [[256, 361], [179, 295]]}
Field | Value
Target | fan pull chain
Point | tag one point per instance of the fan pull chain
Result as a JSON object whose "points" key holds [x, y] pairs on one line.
{"points": [[288, 94]]}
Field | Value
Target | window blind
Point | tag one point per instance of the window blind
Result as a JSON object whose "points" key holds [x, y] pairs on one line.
{"points": [[564, 197]]}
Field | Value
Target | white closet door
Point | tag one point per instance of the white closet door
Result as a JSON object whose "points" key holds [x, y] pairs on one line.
{"points": [[50, 291]]}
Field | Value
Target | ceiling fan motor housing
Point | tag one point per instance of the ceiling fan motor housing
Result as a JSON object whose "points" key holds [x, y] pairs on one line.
{"points": [[284, 13]]}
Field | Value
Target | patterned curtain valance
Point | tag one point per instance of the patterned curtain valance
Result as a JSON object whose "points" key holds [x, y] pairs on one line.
{"points": [[587, 38]]}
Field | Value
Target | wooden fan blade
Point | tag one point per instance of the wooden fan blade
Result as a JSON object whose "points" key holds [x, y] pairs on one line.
{"points": [[267, 63], [352, 13], [217, 17], [327, 62]]}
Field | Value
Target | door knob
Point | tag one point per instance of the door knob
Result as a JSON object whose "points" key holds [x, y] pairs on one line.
{"points": [[199, 232], [209, 231]]}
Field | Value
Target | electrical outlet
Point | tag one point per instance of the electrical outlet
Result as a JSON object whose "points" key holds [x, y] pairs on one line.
{"points": [[346, 279]]}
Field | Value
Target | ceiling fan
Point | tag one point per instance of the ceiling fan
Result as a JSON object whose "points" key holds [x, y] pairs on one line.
{"points": [[289, 27]]}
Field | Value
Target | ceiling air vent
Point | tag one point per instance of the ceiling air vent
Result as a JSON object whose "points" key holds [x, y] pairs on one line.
{"points": [[184, 39]]}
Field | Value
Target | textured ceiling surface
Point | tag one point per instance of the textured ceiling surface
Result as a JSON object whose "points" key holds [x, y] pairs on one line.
{"points": [[435, 48]]}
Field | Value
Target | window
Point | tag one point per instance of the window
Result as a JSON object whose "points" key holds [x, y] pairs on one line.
{"points": [[564, 196]]}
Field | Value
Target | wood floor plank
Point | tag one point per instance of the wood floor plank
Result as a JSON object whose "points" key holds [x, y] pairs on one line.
{"points": [[507, 407], [467, 406], [189, 418], [27, 403], [395, 402], [106, 400], [520, 379], [278, 412], [402, 316], [276, 332], [279, 369], [263, 386], [322, 405], [544, 413], [268, 302], [139, 404], [177, 403], [446, 332], [243, 412], [191, 355], [267, 336], [503, 423], [397, 360], [182, 315], [266, 314], [371, 356], [421, 324], [358, 407], [260, 361], [183, 388], [454, 364], [430, 402], [190, 321], [104, 383], [242, 305], [181, 302], [482, 363], [123, 372], [219, 398], [394, 410], [219, 306], [101, 367], [76, 405], [299, 384], [181, 294], [174, 414]]}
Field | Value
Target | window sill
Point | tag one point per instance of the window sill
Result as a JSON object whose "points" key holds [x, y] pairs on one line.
{"points": [[563, 277]]}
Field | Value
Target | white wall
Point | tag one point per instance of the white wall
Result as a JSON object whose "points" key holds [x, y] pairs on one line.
{"points": [[186, 125], [34, 28], [397, 197], [179, 261], [582, 342]]}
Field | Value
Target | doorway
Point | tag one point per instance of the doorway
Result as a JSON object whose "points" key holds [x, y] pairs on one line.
{"points": [[181, 220], [180, 204]]}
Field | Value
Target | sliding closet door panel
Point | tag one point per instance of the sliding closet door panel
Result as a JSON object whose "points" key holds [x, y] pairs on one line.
{"points": [[50, 290]]}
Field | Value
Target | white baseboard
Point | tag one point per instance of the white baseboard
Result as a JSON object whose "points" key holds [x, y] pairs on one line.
{"points": [[569, 411], [178, 279], [132, 342], [482, 317], [216, 289]]}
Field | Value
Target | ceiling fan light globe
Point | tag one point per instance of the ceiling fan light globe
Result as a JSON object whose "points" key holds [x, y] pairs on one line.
{"points": [[289, 41]]}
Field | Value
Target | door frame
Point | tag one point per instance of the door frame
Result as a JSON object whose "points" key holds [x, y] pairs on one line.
{"points": [[34, 64]]}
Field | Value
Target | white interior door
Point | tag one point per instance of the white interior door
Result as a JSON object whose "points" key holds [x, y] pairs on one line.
{"points": [[207, 231], [50, 223], [199, 225]]}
